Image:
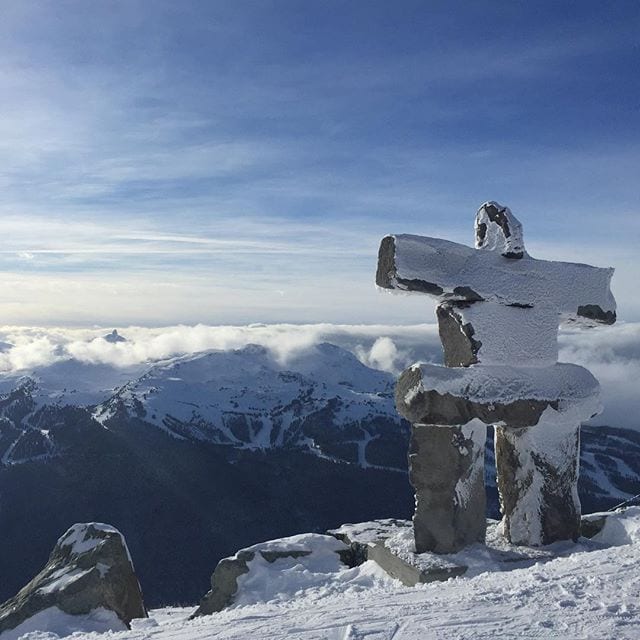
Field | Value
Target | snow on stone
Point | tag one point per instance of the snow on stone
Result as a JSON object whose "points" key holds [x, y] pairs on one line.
{"points": [[621, 528], [476, 432], [504, 384], [61, 579], [369, 532], [561, 285], [78, 538], [498, 317], [514, 334], [283, 578], [505, 238]]}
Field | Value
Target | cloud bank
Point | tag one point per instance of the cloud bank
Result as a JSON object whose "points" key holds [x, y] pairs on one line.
{"points": [[612, 353]]}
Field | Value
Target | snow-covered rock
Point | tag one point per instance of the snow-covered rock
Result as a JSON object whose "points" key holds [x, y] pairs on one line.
{"points": [[497, 229], [89, 578], [275, 569], [619, 528], [502, 394], [451, 271]]}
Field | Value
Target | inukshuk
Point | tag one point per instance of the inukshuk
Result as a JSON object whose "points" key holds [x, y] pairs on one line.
{"points": [[498, 315]]}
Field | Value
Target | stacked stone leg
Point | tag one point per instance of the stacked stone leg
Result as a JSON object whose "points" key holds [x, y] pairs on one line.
{"points": [[537, 441], [537, 477], [446, 469]]}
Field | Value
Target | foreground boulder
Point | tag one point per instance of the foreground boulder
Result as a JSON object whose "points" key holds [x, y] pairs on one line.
{"points": [[89, 578], [270, 569]]}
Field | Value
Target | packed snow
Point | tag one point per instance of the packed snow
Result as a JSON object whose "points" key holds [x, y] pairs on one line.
{"points": [[513, 334], [60, 624]]}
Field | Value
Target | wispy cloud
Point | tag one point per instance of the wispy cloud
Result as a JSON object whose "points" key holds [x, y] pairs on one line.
{"points": [[210, 157]]}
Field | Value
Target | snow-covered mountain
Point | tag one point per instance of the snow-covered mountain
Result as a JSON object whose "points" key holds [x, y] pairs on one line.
{"points": [[218, 450], [324, 400]]}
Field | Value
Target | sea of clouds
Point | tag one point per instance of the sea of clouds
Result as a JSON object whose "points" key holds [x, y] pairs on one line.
{"points": [[611, 353]]}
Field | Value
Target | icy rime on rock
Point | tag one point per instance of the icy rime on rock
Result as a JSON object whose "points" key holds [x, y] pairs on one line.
{"points": [[498, 315]]}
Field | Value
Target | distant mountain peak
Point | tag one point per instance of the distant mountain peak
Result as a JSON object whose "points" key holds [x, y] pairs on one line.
{"points": [[114, 337], [253, 349]]}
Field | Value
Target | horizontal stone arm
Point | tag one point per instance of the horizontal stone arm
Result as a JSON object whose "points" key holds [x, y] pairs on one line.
{"points": [[511, 396], [451, 271]]}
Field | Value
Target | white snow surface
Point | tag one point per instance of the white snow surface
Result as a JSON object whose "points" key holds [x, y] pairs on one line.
{"points": [[621, 528], [588, 590], [289, 577], [513, 335], [60, 624], [562, 286]]}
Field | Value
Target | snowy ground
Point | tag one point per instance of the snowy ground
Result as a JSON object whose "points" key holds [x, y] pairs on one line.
{"points": [[593, 592]]}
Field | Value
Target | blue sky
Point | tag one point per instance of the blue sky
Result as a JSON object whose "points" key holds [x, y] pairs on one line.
{"points": [[218, 162]]}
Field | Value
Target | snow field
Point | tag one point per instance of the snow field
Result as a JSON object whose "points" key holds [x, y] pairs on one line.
{"points": [[590, 591]]}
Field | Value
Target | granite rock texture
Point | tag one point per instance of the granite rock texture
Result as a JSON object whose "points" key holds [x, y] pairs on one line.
{"points": [[446, 470]]}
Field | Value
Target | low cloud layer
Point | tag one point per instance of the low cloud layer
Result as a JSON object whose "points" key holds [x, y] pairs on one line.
{"points": [[612, 353]]}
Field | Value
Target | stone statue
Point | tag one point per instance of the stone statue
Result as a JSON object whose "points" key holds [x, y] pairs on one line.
{"points": [[498, 316]]}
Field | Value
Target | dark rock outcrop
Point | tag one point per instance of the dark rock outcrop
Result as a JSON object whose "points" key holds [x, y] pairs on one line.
{"points": [[88, 569], [458, 344], [114, 337], [224, 583]]}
